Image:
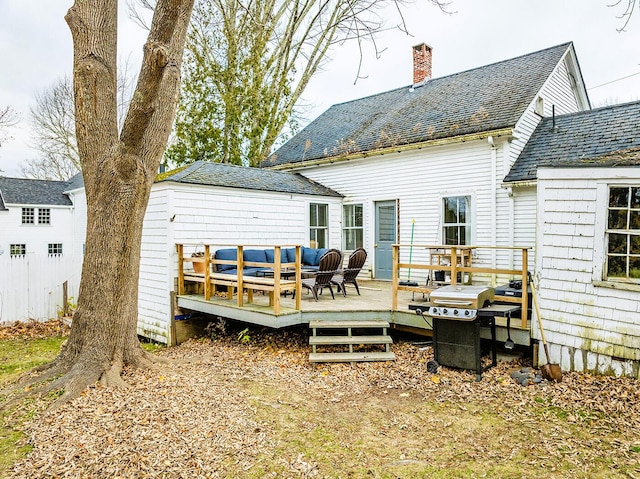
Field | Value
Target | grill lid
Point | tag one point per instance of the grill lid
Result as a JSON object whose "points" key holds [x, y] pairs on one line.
{"points": [[470, 296]]}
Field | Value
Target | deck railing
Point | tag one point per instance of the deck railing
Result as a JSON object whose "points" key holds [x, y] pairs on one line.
{"points": [[201, 259], [461, 269]]}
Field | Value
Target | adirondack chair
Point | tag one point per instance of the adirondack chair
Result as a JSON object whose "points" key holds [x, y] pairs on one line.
{"points": [[350, 273], [327, 268]]}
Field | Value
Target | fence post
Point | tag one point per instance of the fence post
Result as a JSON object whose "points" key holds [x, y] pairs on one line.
{"points": [[65, 299]]}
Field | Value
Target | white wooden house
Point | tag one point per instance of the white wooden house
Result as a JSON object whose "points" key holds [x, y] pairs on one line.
{"points": [[222, 205], [42, 229], [439, 161], [427, 160]]}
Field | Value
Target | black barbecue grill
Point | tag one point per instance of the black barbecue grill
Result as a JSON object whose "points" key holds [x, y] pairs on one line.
{"points": [[458, 313]]}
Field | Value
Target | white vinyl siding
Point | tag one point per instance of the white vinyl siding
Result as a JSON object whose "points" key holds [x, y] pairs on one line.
{"points": [[419, 179]]}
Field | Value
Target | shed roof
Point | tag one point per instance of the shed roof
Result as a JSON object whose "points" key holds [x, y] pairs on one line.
{"points": [[24, 191], [608, 136], [482, 99], [232, 176]]}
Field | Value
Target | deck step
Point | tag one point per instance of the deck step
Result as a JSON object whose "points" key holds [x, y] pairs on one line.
{"points": [[347, 340], [382, 339], [368, 323], [351, 357]]}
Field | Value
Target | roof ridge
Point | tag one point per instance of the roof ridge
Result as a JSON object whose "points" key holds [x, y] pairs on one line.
{"points": [[593, 110], [517, 57]]}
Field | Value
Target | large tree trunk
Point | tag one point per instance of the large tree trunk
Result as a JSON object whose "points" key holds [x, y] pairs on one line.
{"points": [[118, 172]]}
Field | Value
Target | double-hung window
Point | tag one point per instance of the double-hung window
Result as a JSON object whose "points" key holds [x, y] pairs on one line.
{"points": [[318, 225], [456, 224], [44, 216], [55, 249], [352, 227], [28, 216], [623, 234]]}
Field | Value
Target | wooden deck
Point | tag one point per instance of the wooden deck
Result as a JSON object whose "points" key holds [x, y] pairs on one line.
{"points": [[374, 303]]}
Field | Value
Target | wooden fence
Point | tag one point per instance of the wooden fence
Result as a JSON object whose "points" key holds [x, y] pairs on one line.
{"points": [[34, 288]]}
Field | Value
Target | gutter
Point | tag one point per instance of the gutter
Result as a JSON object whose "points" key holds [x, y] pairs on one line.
{"points": [[520, 184], [396, 149]]}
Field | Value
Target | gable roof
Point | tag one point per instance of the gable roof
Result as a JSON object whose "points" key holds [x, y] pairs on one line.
{"points": [[232, 176], [484, 99], [24, 191], [608, 136]]}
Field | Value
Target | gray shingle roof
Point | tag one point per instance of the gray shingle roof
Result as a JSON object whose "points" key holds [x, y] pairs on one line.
{"points": [[231, 176], [608, 136], [23, 191], [483, 99]]}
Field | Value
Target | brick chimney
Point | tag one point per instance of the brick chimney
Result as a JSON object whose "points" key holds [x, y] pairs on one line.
{"points": [[421, 63]]}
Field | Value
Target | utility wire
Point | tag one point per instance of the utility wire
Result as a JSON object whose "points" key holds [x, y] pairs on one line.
{"points": [[613, 81]]}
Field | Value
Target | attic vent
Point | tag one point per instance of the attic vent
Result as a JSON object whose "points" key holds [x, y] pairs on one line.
{"points": [[540, 106]]}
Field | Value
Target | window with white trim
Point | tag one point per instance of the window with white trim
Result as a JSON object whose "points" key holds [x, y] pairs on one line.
{"points": [[55, 249], [623, 234], [44, 216], [456, 220], [17, 249], [28, 216], [318, 225], [352, 227]]}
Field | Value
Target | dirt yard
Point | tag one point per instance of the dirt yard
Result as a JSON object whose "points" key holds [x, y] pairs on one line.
{"points": [[252, 406]]}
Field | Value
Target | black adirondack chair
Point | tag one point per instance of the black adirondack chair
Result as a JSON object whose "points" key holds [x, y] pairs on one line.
{"points": [[349, 274], [327, 268]]}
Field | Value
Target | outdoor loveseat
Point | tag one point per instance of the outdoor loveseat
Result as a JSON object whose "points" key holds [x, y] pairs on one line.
{"points": [[310, 259]]}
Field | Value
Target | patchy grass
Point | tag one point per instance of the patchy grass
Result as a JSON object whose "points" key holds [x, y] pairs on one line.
{"points": [[229, 408], [18, 356]]}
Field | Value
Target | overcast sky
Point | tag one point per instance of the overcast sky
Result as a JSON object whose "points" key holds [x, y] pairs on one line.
{"points": [[36, 49]]}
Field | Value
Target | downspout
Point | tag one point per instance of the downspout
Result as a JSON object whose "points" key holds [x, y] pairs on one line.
{"points": [[494, 198]]}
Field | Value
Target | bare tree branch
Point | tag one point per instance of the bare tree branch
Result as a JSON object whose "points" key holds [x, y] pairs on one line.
{"points": [[8, 119], [626, 15]]}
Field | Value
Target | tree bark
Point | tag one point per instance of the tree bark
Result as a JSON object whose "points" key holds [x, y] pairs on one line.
{"points": [[118, 174]]}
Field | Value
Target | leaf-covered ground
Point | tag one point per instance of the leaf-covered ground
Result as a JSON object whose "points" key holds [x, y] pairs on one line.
{"points": [[251, 405]]}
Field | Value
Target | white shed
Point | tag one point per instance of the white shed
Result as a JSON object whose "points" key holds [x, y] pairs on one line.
{"points": [[223, 205]]}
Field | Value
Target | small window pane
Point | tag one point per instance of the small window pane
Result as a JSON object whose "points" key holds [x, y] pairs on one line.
{"points": [[450, 210], [617, 220], [617, 266], [634, 220], [617, 243], [462, 212], [634, 247], [634, 267], [619, 197], [635, 197]]}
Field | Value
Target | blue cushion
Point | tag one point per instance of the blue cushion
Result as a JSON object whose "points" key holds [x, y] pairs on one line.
{"points": [[254, 255], [269, 253], [233, 270], [230, 254], [309, 256], [251, 271], [290, 255]]}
